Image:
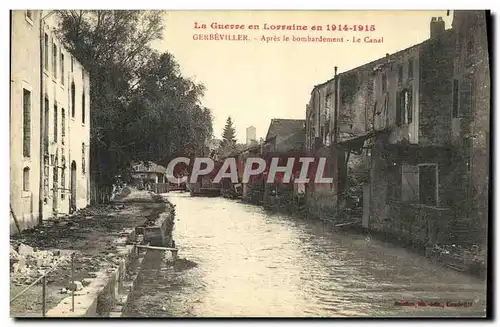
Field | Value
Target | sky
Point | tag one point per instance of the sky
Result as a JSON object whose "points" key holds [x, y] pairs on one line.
{"points": [[254, 81]]}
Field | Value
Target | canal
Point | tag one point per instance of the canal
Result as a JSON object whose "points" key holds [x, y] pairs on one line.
{"points": [[237, 260]]}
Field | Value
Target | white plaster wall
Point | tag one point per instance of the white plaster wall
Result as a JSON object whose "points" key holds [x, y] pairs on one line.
{"points": [[25, 63]]}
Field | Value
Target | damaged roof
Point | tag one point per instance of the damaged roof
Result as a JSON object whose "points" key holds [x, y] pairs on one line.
{"points": [[148, 166], [381, 61], [284, 127]]}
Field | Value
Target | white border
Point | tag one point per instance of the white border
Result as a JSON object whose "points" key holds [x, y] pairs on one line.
{"points": [[255, 4]]}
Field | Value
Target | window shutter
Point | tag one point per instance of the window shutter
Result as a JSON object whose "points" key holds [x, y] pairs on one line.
{"points": [[398, 108], [410, 106], [26, 123], [409, 183]]}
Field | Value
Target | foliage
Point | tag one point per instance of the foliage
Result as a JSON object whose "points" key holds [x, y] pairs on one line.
{"points": [[142, 108]]}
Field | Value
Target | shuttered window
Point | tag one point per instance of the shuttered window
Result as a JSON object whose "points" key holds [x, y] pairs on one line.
{"points": [[63, 125], [46, 52], [54, 60], [406, 103], [83, 108], [62, 68], [46, 126], [55, 123], [26, 123], [404, 111], [73, 109]]}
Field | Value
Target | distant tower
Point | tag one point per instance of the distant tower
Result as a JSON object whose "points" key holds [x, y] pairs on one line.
{"points": [[251, 134]]}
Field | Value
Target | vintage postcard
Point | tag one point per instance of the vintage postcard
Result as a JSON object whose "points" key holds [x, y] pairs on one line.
{"points": [[271, 164]]}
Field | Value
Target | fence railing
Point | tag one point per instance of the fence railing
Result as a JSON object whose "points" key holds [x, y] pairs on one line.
{"points": [[43, 280]]}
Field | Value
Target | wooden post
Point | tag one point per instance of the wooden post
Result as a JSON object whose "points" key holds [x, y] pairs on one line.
{"points": [[44, 295], [73, 286]]}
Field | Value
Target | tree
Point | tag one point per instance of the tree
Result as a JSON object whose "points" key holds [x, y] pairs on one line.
{"points": [[228, 142], [142, 108], [229, 133]]}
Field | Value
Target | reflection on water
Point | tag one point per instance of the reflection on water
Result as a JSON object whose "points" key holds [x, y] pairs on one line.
{"points": [[240, 261]]}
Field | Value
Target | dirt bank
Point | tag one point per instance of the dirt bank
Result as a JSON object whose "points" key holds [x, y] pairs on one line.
{"points": [[90, 233]]}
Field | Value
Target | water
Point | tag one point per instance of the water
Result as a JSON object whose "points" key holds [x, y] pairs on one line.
{"points": [[240, 261]]}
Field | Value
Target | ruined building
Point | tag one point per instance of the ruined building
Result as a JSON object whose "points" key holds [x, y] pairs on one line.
{"points": [[415, 126]]}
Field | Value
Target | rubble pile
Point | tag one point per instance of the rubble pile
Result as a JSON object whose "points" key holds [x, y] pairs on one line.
{"points": [[27, 264]]}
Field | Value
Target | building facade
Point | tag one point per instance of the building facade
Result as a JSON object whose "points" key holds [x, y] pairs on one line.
{"points": [[412, 189], [416, 125], [144, 173], [471, 107], [50, 124]]}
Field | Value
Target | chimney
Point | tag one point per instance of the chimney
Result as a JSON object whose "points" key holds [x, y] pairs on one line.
{"points": [[437, 26], [335, 71]]}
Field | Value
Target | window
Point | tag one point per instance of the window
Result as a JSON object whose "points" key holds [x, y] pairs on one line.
{"points": [[63, 125], [455, 99], [55, 122], [466, 96], [62, 68], [400, 74], [26, 123], [428, 184], [54, 60], [410, 69], [384, 83], [404, 110], [83, 158], [26, 179], [46, 52], [83, 108], [63, 184], [72, 99], [46, 126], [329, 105], [63, 176], [72, 63]]}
